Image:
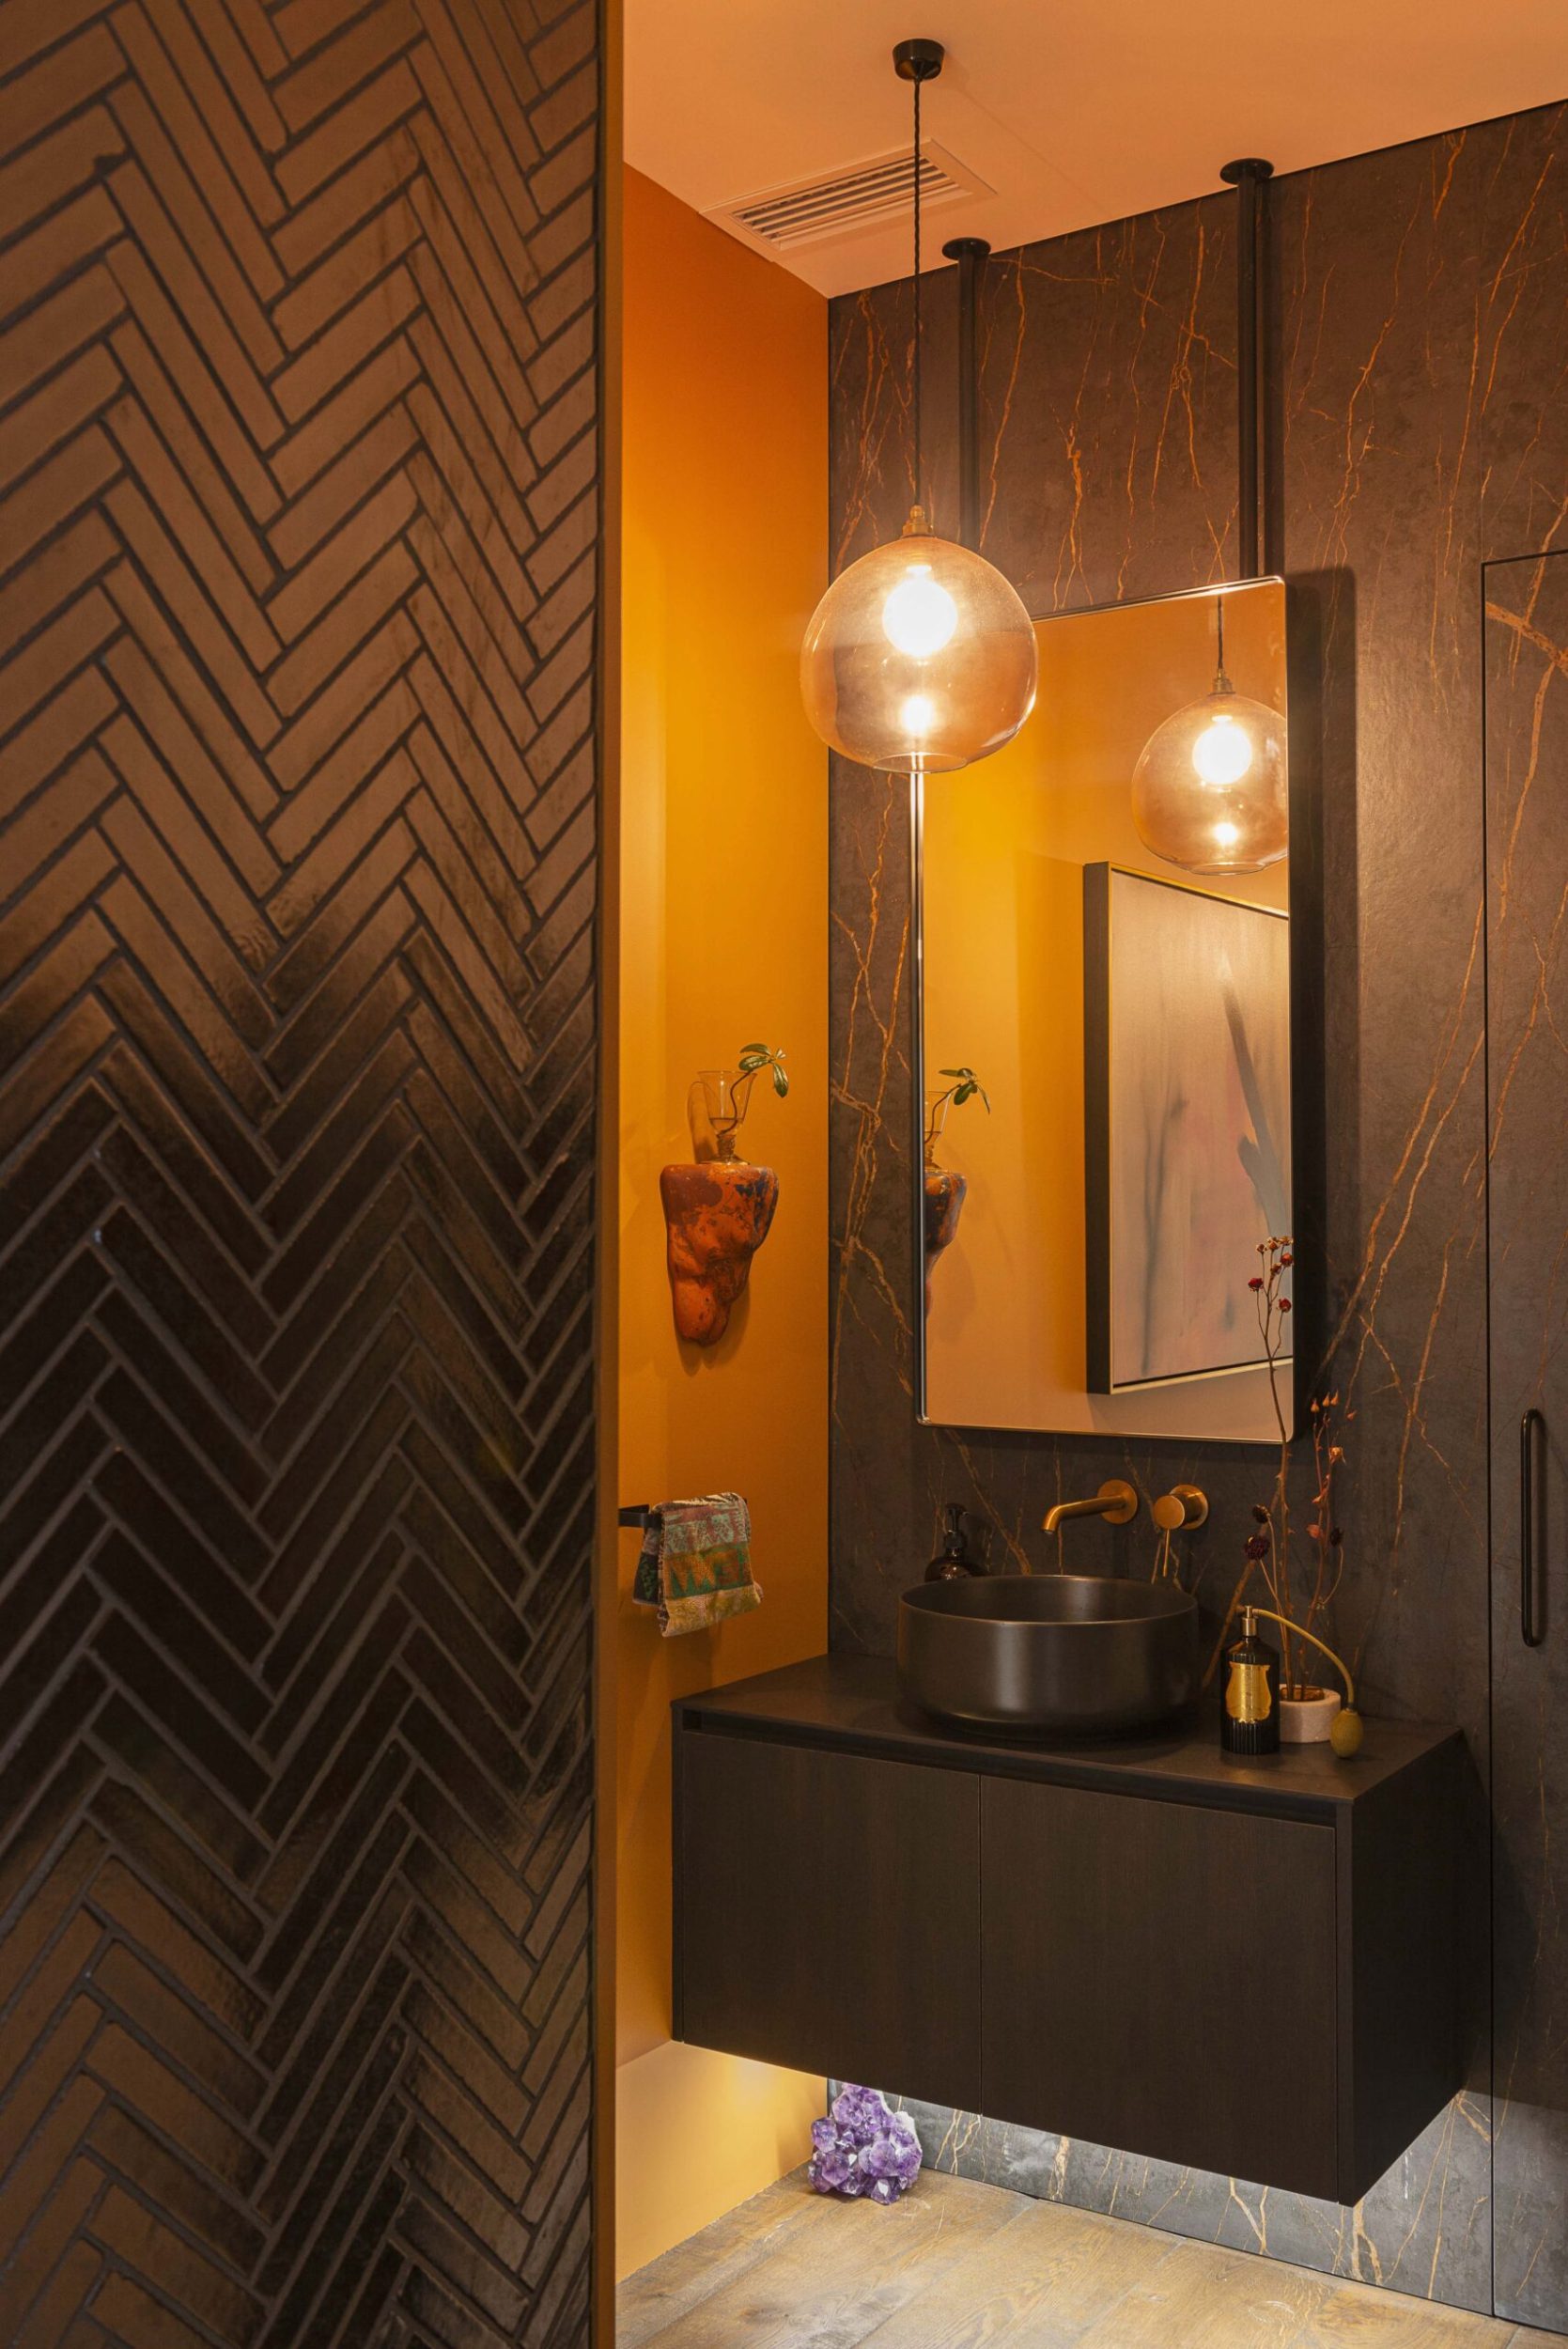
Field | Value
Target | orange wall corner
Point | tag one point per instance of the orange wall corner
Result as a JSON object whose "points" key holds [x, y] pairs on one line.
{"points": [[701, 2132], [722, 935]]}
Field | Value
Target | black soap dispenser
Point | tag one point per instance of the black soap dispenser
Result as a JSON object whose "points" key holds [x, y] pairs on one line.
{"points": [[952, 1561], [1250, 1717]]}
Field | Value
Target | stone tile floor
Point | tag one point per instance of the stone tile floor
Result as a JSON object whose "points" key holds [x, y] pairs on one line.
{"points": [[962, 2266]]}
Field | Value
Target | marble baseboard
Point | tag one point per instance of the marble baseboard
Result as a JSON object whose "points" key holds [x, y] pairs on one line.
{"points": [[1424, 2229], [1532, 2277]]}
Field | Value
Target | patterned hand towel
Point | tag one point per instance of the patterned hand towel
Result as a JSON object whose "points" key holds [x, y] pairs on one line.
{"points": [[695, 1566]]}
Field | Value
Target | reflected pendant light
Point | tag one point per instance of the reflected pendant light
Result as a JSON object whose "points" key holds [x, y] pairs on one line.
{"points": [[1209, 790], [921, 657]]}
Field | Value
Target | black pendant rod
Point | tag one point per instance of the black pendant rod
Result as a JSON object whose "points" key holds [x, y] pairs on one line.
{"points": [[1246, 175], [918, 61], [919, 337], [971, 252]]}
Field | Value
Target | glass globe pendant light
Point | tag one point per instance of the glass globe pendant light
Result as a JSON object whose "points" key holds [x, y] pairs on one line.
{"points": [[921, 657], [1209, 789]]}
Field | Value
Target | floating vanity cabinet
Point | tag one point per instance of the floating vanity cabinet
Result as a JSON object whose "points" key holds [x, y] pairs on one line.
{"points": [[1151, 1971], [828, 1912], [1236, 1965]]}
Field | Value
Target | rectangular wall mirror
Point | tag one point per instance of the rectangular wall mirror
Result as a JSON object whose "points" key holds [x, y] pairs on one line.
{"points": [[1104, 1020]]}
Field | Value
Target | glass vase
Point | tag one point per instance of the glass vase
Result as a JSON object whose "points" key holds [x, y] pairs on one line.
{"points": [[716, 1110]]}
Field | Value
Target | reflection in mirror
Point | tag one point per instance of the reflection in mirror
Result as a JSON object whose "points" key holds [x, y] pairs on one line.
{"points": [[1104, 1031]]}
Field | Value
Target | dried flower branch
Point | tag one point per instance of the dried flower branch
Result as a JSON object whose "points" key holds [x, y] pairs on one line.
{"points": [[1269, 1551]]}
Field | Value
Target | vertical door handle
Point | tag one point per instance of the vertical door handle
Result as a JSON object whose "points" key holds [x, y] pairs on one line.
{"points": [[1529, 1627]]}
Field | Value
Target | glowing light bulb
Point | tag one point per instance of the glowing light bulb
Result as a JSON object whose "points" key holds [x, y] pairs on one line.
{"points": [[920, 658], [1222, 754], [1210, 791], [919, 616]]}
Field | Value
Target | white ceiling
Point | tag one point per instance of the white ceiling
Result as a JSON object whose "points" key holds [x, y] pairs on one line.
{"points": [[1075, 114]]}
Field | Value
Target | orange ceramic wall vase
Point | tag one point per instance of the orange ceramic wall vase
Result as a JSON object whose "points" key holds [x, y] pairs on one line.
{"points": [[716, 1217], [945, 1193]]}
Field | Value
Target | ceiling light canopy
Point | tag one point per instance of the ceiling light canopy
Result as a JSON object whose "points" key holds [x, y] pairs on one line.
{"points": [[921, 657]]}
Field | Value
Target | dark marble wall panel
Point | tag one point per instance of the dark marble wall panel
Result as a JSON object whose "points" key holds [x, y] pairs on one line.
{"points": [[1416, 350], [298, 454], [1522, 374], [1379, 270]]}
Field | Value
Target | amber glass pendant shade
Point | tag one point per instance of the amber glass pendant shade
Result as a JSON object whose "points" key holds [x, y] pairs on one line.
{"points": [[1210, 791], [920, 659]]}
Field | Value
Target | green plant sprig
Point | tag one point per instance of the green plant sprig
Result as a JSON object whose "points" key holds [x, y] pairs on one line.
{"points": [[964, 1089], [754, 1058]]}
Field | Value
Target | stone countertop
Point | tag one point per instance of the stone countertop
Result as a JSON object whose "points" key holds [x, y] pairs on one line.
{"points": [[854, 1703]]}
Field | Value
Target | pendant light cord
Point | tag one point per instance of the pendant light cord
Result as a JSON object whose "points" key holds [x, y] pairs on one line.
{"points": [[918, 499], [917, 62]]}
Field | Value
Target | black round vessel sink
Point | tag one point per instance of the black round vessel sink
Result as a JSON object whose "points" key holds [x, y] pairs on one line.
{"points": [[1069, 1652]]}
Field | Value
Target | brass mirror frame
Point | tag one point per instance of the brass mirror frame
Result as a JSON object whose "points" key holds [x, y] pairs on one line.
{"points": [[1303, 671]]}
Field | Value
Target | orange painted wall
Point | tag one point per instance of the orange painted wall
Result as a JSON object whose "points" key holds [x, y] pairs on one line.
{"points": [[722, 937]]}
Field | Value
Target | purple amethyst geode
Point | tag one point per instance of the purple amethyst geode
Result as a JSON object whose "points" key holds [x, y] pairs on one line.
{"points": [[864, 2148]]}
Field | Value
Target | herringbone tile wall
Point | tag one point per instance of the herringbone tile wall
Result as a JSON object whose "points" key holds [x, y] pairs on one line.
{"points": [[297, 608]]}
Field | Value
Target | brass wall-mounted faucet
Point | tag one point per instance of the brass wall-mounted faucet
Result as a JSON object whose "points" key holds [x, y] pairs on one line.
{"points": [[1116, 1501]]}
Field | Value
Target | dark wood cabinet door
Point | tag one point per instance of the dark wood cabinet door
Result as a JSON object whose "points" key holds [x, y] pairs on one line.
{"points": [[828, 1914], [1160, 1977], [1526, 996]]}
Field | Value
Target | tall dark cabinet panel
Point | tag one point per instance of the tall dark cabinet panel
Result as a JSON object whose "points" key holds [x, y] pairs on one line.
{"points": [[1527, 906], [298, 525]]}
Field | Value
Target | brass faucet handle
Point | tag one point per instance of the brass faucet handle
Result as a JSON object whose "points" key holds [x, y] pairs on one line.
{"points": [[1180, 1509]]}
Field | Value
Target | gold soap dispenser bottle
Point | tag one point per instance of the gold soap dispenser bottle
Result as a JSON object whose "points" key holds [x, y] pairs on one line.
{"points": [[1249, 1719]]}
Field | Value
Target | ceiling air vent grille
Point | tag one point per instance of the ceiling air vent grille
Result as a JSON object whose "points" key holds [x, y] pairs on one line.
{"points": [[812, 211]]}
